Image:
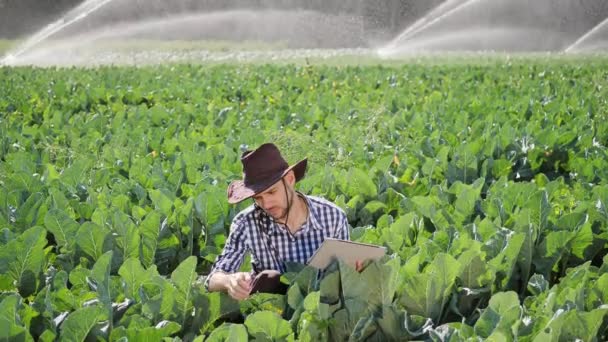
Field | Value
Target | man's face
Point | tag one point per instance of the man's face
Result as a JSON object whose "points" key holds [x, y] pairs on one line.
{"points": [[274, 200]]}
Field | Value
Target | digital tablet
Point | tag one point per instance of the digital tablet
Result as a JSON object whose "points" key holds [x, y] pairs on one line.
{"points": [[347, 251]]}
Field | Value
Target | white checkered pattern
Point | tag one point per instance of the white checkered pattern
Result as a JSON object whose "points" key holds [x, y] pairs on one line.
{"points": [[254, 231]]}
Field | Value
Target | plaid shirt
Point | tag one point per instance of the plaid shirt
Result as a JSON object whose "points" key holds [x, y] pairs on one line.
{"points": [[270, 243]]}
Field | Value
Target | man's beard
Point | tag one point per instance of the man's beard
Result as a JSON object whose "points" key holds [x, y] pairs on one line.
{"points": [[282, 217], [284, 211]]}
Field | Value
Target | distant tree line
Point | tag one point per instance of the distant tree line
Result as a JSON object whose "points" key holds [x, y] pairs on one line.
{"points": [[19, 18]]}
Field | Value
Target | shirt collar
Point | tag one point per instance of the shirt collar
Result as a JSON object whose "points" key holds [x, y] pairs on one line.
{"points": [[273, 226], [312, 213]]}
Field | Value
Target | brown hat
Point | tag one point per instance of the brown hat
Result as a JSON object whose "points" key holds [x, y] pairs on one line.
{"points": [[261, 169]]}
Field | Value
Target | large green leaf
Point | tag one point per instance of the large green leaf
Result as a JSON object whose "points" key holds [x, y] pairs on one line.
{"points": [[573, 289], [395, 201], [210, 307], [183, 218], [100, 274], [391, 323], [228, 332], [23, 181], [353, 285], [431, 208], [184, 277], [163, 201], [268, 325], [23, 258], [149, 230], [473, 271], [145, 334], [357, 182], [126, 236], [295, 298], [330, 287], [502, 316], [597, 294], [370, 212], [312, 320], [574, 325], [572, 221], [401, 233], [452, 332], [366, 329], [160, 304], [11, 329], [582, 240], [93, 240], [426, 205], [537, 284], [76, 173], [47, 336], [539, 207], [306, 277], [133, 275], [550, 251], [79, 323], [426, 294], [466, 196], [63, 228], [32, 212], [211, 209], [346, 319], [464, 164], [383, 292], [526, 254], [504, 263]]}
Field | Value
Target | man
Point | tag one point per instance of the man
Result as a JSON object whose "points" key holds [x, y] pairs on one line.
{"points": [[282, 224]]}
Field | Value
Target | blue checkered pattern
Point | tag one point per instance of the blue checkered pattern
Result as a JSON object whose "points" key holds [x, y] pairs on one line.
{"points": [[271, 244]]}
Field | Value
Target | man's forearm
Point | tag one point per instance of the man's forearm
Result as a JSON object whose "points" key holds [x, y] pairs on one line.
{"points": [[217, 281]]}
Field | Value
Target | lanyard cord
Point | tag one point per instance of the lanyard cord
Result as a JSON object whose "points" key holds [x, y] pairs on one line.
{"points": [[264, 232]]}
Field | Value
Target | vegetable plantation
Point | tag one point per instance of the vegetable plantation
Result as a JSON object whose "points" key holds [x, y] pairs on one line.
{"points": [[486, 182]]}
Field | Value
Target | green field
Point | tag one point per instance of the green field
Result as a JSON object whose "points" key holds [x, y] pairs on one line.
{"points": [[486, 179]]}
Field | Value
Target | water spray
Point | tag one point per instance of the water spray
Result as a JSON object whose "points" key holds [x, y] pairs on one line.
{"points": [[586, 36], [435, 13], [426, 22], [77, 14]]}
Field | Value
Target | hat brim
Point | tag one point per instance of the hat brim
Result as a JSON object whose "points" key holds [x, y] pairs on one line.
{"points": [[238, 191]]}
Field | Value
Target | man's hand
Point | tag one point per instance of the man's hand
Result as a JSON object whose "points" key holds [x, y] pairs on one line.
{"points": [[359, 266], [238, 285]]}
